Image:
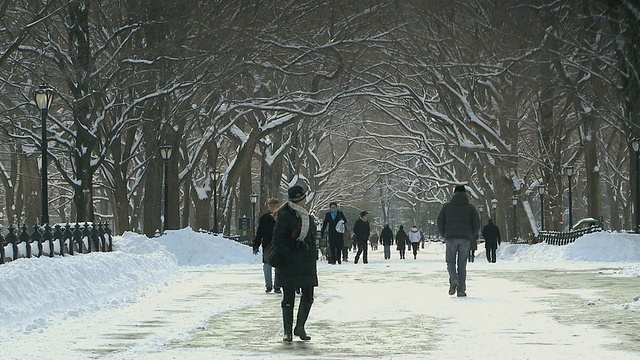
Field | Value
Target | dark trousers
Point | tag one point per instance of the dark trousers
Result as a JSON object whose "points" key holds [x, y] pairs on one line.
{"points": [[345, 253], [335, 249], [362, 250], [289, 296], [401, 253], [491, 255], [414, 247]]}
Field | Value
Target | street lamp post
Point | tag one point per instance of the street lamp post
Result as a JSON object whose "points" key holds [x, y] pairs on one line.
{"points": [[494, 206], [254, 199], [635, 144], [165, 153], [215, 175], [514, 200], [541, 190], [44, 97], [569, 170]]}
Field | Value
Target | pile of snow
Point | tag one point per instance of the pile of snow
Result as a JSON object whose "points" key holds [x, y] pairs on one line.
{"points": [[31, 289]]}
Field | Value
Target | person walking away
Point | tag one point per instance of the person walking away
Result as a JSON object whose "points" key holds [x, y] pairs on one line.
{"points": [[347, 240], [386, 239], [331, 220], [294, 239], [361, 230], [264, 234], [458, 223], [401, 241], [491, 235], [473, 248], [414, 237], [373, 240]]}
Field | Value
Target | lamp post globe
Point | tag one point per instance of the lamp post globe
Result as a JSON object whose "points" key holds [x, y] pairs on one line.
{"points": [[165, 153], [43, 97], [494, 207], [215, 175]]}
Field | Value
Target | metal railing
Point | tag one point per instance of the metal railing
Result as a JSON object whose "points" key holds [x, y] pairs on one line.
{"points": [[564, 238], [59, 240]]}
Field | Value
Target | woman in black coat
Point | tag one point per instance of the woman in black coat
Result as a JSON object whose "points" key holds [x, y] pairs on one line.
{"points": [[294, 240], [401, 241]]}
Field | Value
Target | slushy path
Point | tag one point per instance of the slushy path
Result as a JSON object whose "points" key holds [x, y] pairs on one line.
{"points": [[395, 309]]}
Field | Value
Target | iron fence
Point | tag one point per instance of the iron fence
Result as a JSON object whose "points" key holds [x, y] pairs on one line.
{"points": [[59, 240], [566, 237]]}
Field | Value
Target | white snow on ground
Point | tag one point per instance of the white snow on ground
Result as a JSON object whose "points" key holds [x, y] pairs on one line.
{"points": [[71, 295]]}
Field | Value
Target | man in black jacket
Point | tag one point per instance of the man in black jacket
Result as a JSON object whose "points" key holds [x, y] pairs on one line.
{"points": [[386, 239], [336, 243], [264, 234], [361, 230], [458, 223], [491, 235]]}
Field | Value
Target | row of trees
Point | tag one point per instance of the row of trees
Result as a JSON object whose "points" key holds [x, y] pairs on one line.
{"points": [[376, 105]]}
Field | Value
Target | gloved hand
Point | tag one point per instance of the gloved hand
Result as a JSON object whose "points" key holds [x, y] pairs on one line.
{"points": [[255, 251], [301, 245]]}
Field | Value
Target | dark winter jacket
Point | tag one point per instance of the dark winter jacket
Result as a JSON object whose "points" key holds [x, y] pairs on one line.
{"points": [[491, 235], [458, 219], [474, 243], [401, 240], [361, 230], [300, 267], [264, 233], [334, 236], [386, 236]]}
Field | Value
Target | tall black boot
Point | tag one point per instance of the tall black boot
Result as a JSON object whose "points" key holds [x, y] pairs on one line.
{"points": [[303, 314], [287, 321]]}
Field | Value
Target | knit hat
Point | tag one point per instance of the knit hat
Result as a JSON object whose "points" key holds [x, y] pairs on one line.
{"points": [[296, 193], [363, 213], [459, 188]]}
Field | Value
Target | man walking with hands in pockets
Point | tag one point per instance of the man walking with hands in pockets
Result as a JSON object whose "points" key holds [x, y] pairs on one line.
{"points": [[458, 223]]}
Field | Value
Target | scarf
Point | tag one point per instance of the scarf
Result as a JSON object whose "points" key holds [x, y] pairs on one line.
{"points": [[303, 214], [334, 214]]}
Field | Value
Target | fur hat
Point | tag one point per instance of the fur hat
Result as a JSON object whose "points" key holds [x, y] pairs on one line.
{"points": [[459, 188], [296, 193]]}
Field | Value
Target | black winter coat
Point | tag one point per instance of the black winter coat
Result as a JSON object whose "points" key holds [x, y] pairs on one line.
{"points": [[491, 235], [386, 236], [264, 233], [334, 236], [401, 240], [361, 230], [458, 219], [300, 268]]}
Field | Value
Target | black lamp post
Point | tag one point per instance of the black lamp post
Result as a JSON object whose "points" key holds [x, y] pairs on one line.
{"points": [[541, 190], [514, 200], [44, 97], [215, 175], [635, 144], [569, 170], [254, 199], [165, 153], [494, 206]]}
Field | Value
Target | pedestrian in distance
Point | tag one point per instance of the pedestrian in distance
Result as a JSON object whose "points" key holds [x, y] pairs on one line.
{"points": [[458, 223], [264, 234], [386, 239], [294, 239], [336, 224], [491, 235], [401, 241], [414, 237], [361, 230], [473, 248], [373, 240], [347, 241]]}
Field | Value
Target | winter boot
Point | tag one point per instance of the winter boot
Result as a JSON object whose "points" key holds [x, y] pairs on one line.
{"points": [[287, 320], [303, 314]]}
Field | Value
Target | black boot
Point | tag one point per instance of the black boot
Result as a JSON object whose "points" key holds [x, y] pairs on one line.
{"points": [[287, 321], [303, 314]]}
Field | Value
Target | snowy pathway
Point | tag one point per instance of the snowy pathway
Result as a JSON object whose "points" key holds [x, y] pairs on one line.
{"points": [[394, 309]]}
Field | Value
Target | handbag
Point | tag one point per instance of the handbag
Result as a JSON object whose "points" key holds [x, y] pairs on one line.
{"points": [[340, 227], [273, 257]]}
